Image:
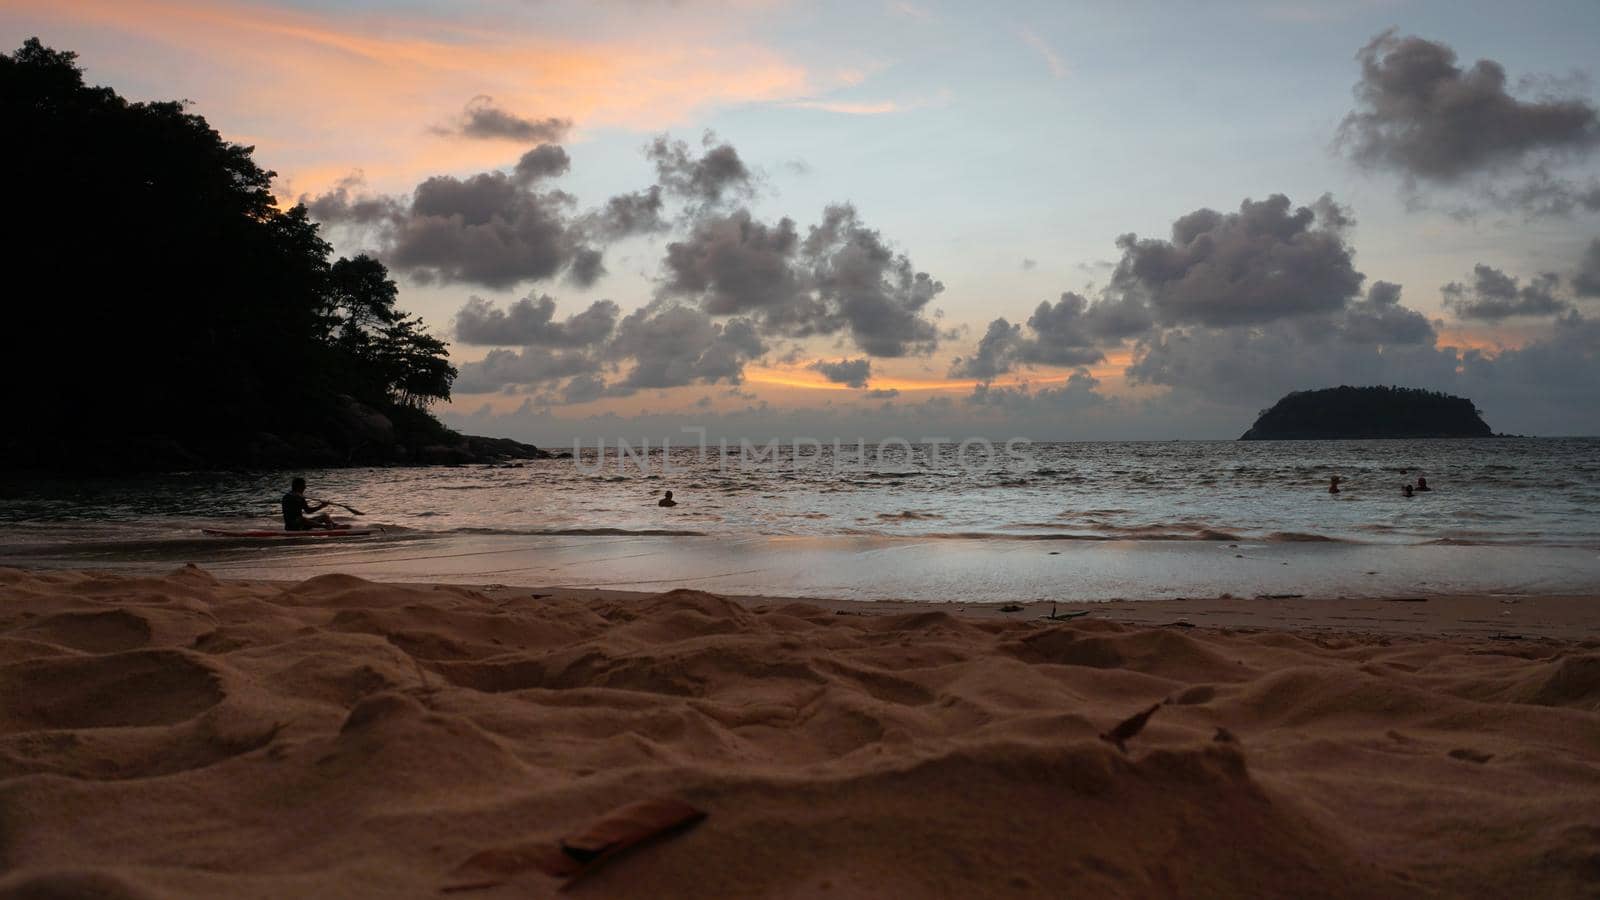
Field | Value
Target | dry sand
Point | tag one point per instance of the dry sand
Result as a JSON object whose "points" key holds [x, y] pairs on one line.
{"points": [[182, 736]]}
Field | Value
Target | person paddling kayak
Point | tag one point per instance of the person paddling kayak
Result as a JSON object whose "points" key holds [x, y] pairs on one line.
{"points": [[295, 507]]}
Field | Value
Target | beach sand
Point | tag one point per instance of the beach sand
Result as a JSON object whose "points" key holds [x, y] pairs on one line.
{"points": [[181, 736]]}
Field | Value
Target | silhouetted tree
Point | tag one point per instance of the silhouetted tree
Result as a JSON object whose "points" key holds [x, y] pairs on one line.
{"points": [[157, 289]]}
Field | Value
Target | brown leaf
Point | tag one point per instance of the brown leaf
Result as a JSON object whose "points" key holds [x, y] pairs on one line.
{"points": [[1128, 727]]}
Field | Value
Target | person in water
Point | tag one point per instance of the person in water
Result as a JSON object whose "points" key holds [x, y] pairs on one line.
{"points": [[1405, 490], [667, 500], [1422, 484], [1333, 485], [296, 506]]}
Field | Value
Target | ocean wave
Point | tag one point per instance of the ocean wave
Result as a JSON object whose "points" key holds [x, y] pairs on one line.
{"points": [[1129, 535], [596, 530], [1302, 537]]}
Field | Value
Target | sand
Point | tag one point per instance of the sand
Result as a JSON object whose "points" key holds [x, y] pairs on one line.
{"points": [[181, 736]]}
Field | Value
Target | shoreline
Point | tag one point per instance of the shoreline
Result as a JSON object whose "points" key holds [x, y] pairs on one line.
{"points": [[175, 734], [879, 568]]}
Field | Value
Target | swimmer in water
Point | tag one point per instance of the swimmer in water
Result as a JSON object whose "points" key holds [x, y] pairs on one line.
{"points": [[667, 500], [1405, 490], [1333, 485], [1422, 484]]}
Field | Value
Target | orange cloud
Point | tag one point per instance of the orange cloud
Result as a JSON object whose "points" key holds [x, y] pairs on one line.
{"points": [[328, 92], [799, 376]]}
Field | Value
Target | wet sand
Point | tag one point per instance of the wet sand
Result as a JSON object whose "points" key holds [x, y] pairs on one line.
{"points": [[178, 735]]}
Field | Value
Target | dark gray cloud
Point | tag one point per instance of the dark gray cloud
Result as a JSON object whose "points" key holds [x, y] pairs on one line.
{"points": [[1077, 394], [588, 264], [842, 277], [583, 388], [624, 215], [997, 353], [1252, 367], [485, 229], [1551, 385], [716, 173], [1067, 333], [1586, 281], [1421, 114], [852, 372], [345, 204], [874, 293], [737, 265], [1381, 320], [672, 346], [531, 322], [489, 229], [1494, 295], [503, 369], [543, 161], [1266, 262], [481, 119]]}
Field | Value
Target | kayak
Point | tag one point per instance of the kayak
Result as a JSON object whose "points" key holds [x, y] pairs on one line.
{"points": [[264, 534]]}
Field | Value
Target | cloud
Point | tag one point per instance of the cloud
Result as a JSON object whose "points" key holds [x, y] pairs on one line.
{"points": [[1420, 114], [1494, 295], [528, 366], [1266, 262], [489, 229], [543, 161], [997, 353], [849, 108], [1586, 281], [482, 120], [735, 264], [343, 204], [708, 178], [1551, 385], [852, 372], [485, 229], [531, 322], [1077, 394], [588, 265], [624, 215], [1381, 320], [673, 346], [841, 277], [660, 346], [1250, 367], [876, 294]]}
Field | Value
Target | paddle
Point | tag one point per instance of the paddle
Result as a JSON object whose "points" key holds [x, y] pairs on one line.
{"points": [[350, 509]]}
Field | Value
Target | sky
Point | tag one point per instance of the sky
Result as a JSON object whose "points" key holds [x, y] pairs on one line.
{"points": [[1079, 221]]}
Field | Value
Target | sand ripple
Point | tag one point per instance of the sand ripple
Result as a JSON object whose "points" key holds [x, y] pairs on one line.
{"points": [[181, 736]]}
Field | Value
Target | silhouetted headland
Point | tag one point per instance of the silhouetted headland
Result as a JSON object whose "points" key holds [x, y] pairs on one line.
{"points": [[167, 314], [1358, 413]]}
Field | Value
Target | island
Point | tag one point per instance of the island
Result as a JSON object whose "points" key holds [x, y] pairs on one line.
{"points": [[1364, 413]]}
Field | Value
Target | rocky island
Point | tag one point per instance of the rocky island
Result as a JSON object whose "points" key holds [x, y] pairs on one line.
{"points": [[1364, 413]]}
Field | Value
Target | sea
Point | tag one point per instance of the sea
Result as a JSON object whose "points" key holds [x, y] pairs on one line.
{"points": [[974, 521]]}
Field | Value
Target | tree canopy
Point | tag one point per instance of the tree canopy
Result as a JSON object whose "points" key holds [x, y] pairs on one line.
{"points": [[158, 290]]}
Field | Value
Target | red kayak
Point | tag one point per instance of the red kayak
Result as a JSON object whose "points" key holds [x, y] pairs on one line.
{"points": [[323, 533]]}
